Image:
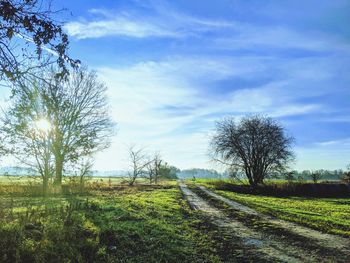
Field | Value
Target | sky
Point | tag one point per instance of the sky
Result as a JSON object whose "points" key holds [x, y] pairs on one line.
{"points": [[174, 68]]}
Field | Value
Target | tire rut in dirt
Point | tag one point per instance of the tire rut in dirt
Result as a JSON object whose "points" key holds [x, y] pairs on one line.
{"points": [[264, 249], [286, 233]]}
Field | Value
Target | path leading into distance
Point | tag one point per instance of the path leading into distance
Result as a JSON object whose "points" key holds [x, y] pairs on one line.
{"points": [[323, 239], [270, 247]]}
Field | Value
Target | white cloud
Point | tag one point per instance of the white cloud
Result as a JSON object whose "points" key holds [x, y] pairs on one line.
{"points": [[331, 143], [143, 94], [121, 26], [169, 24], [146, 99], [246, 36]]}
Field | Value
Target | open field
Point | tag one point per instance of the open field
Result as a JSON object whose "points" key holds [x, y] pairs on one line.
{"points": [[34, 179], [32, 185], [162, 223], [137, 224]]}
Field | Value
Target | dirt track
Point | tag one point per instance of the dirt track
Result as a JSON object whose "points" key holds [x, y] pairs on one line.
{"points": [[323, 239], [268, 247]]}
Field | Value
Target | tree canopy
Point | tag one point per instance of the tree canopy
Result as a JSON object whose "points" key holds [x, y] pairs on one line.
{"points": [[52, 123], [27, 28], [257, 145]]}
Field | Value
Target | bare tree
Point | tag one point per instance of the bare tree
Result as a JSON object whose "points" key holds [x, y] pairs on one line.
{"points": [[345, 177], [80, 117], [150, 172], [154, 169], [84, 171], [167, 172], [76, 110], [27, 28], [316, 176], [29, 134], [139, 162], [290, 176], [256, 145], [158, 169]]}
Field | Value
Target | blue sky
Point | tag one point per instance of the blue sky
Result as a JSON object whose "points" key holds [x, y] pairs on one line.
{"points": [[174, 67]]}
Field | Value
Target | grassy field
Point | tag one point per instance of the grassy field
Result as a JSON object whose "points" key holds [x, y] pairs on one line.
{"points": [[144, 223], [330, 215], [37, 179], [32, 185], [134, 224]]}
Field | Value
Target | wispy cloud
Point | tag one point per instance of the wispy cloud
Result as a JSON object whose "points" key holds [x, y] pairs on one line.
{"points": [[158, 103], [342, 142], [165, 22], [248, 36], [120, 26], [179, 68], [171, 25]]}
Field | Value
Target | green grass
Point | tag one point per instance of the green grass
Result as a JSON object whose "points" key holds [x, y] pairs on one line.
{"points": [[37, 179], [140, 224], [331, 215], [210, 182], [30, 186], [93, 180], [18, 179], [136, 224], [149, 227]]}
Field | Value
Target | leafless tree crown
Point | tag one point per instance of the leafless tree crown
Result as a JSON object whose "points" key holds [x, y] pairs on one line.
{"points": [[257, 145], [139, 161], [76, 109]]}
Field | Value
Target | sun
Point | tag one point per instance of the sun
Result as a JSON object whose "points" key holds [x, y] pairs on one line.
{"points": [[43, 125]]}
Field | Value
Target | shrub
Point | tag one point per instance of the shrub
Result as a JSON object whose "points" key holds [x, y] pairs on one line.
{"points": [[346, 177], [291, 189]]}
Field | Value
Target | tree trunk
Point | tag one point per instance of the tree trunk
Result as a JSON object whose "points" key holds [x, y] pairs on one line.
{"points": [[82, 184], [254, 184], [259, 178], [45, 185], [58, 170], [57, 151], [133, 179], [46, 176], [250, 177]]}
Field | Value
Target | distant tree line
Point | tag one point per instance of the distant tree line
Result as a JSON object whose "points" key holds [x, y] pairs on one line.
{"points": [[294, 176], [314, 175], [199, 173]]}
